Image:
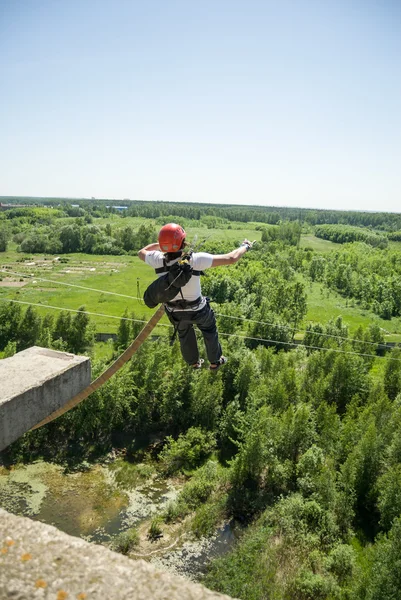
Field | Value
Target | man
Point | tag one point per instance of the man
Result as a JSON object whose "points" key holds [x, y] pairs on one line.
{"points": [[189, 307]]}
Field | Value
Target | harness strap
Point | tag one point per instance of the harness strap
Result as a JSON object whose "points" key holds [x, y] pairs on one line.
{"points": [[167, 269], [184, 303]]}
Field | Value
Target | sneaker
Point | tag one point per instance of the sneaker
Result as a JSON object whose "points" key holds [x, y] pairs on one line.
{"points": [[198, 365], [215, 366]]}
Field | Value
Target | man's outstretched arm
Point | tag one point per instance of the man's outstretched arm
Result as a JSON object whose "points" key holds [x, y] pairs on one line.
{"points": [[142, 253], [219, 260]]}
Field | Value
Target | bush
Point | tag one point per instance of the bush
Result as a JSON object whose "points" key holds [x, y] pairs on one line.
{"points": [[155, 530], [188, 451], [312, 586], [10, 349], [175, 510], [341, 562], [343, 234], [196, 491], [207, 518], [126, 541], [199, 488]]}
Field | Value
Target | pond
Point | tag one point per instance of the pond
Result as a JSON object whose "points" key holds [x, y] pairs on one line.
{"points": [[100, 501], [92, 503]]}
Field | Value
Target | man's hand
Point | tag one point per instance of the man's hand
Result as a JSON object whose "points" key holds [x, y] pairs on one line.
{"points": [[248, 244]]}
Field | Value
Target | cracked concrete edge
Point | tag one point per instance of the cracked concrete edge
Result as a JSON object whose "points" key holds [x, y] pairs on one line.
{"points": [[38, 561]]}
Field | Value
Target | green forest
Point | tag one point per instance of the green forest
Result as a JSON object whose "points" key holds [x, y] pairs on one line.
{"points": [[296, 439]]}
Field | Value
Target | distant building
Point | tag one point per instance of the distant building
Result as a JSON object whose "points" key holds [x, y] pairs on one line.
{"points": [[8, 206]]}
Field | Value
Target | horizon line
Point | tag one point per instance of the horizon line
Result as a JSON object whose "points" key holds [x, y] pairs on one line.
{"points": [[93, 198]]}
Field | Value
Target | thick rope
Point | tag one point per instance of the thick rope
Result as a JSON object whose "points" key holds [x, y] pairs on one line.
{"points": [[105, 376]]}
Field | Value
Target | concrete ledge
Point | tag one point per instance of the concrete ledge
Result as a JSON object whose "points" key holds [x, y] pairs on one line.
{"points": [[33, 384], [38, 561]]}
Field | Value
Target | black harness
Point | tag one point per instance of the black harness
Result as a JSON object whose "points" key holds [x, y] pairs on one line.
{"points": [[166, 269], [179, 304]]}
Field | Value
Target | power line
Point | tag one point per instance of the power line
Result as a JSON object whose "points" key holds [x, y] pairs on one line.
{"points": [[245, 337], [286, 327], [311, 347], [289, 328], [73, 310]]}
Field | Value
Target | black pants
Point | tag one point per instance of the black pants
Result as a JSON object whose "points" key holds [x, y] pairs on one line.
{"points": [[184, 322]]}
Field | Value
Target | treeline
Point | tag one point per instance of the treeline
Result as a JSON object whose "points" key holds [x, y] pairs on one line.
{"points": [[21, 329], [82, 237], [16, 220], [341, 234], [371, 276], [69, 229], [242, 213], [265, 214], [287, 232], [395, 236]]}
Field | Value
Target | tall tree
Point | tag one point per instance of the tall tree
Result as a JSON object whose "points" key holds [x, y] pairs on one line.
{"points": [[123, 333], [392, 374], [80, 335], [10, 316], [62, 327], [3, 239], [29, 329]]}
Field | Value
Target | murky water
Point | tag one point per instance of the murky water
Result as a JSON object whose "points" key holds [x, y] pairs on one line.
{"points": [[89, 504], [193, 557], [101, 501]]}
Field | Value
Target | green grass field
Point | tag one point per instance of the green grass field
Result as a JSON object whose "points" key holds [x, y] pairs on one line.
{"points": [[324, 305], [311, 241], [395, 245], [121, 274]]}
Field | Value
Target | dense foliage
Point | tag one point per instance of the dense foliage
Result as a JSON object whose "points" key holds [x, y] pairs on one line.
{"points": [[311, 451], [22, 329], [342, 234], [83, 237], [371, 276]]}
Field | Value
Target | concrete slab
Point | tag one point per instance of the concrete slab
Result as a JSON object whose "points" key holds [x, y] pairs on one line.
{"points": [[38, 561], [33, 384]]}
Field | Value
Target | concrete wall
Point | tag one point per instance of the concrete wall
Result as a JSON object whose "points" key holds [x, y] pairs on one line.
{"points": [[39, 562], [33, 384]]}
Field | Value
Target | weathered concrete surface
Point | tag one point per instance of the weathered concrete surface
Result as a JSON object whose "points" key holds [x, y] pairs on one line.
{"points": [[33, 384], [38, 561]]}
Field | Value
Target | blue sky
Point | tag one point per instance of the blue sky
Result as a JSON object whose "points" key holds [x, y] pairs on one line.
{"points": [[294, 103]]}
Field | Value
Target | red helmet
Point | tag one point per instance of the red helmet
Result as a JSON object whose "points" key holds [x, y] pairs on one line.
{"points": [[171, 237]]}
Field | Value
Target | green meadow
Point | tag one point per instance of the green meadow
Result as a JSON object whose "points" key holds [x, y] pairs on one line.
{"points": [[317, 244], [324, 304], [106, 274]]}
